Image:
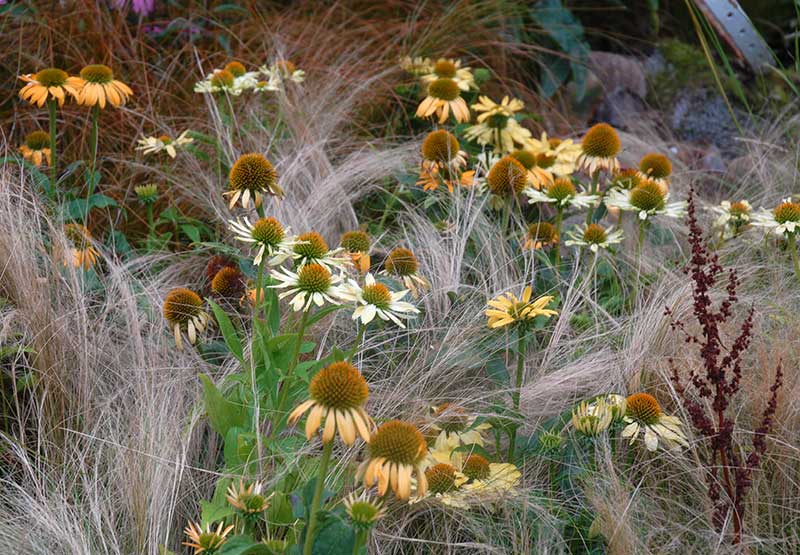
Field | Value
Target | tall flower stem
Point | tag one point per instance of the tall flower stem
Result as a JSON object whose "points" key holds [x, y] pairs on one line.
{"points": [[317, 499], [515, 393], [361, 539], [506, 217], [557, 245], [359, 337], [792, 243], [51, 108], [92, 179], [253, 379], [286, 385], [593, 191]]}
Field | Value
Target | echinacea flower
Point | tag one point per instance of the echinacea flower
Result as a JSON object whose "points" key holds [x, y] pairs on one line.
{"points": [[486, 478], [455, 427], [267, 236], [242, 79], [497, 126], [444, 96], [784, 219], [646, 199], [311, 248], [401, 263], [451, 69], [538, 178], [396, 453], [183, 309], [592, 420], [625, 178], [363, 510], [356, 244], [507, 177], [247, 499], [375, 299], [442, 478], [733, 217], [416, 65], [337, 394], [599, 149], [206, 541], [441, 148], [81, 253], [147, 194], [228, 283], [282, 71], [644, 414], [164, 143], [215, 264], [49, 84], [312, 284], [252, 176], [540, 235], [220, 80], [557, 156], [507, 309], [594, 237], [562, 193], [36, 148], [99, 87], [657, 168]]}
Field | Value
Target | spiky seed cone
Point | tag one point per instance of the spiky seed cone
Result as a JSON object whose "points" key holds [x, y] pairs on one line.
{"points": [[311, 245], [451, 418], [561, 189], [476, 467], [507, 176], [97, 73], [236, 69], [524, 157], [77, 234], [544, 160], [314, 278], [627, 178], [787, 212], [444, 89], [647, 196], [655, 165], [601, 141], [37, 140], [222, 78], [268, 231], [398, 442], [181, 305], [440, 146], [594, 234], [253, 172], [52, 77], [739, 208], [355, 241], [445, 68], [377, 294], [339, 386], [441, 478], [401, 262], [545, 232], [215, 264], [643, 408], [229, 283]]}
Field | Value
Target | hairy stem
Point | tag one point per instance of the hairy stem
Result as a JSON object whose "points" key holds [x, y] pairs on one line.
{"points": [[317, 499]]}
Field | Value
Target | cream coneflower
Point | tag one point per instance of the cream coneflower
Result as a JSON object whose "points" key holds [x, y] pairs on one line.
{"points": [[592, 420], [625, 178], [497, 125], [99, 87], [442, 478], [562, 193], [228, 283], [657, 168], [451, 428], [401, 263], [507, 309], [164, 143], [647, 199], [207, 541], [252, 176], [594, 237], [311, 248], [183, 309], [538, 178], [337, 396], [363, 510], [356, 244], [445, 68], [267, 236], [443, 96], [507, 177], [220, 80], [81, 253], [375, 299], [396, 452], [783, 220], [281, 71], [557, 156], [732, 217], [599, 149], [486, 478], [416, 65], [247, 499], [50, 83], [36, 148], [242, 79], [312, 284], [643, 413], [442, 161], [540, 235]]}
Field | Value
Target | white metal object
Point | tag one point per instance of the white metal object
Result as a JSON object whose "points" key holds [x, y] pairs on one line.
{"points": [[733, 25]]}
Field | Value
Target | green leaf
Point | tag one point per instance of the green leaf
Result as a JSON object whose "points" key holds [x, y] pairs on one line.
{"points": [[228, 332], [497, 370], [79, 208], [244, 545], [192, 232], [321, 313], [334, 536], [222, 413]]}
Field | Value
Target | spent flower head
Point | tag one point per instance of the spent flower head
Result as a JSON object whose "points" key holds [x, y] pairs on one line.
{"points": [[183, 310]]}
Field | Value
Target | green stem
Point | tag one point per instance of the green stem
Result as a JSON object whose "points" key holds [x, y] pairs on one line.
{"points": [[557, 246], [286, 384], [515, 393], [315, 502], [150, 221], [51, 107], [260, 210], [506, 217], [593, 191], [253, 380], [92, 180], [361, 329], [793, 249], [361, 539], [640, 242]]}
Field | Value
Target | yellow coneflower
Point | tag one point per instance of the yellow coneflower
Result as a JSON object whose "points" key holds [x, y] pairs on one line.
{"points": [[396, 452], [268, 237], [416, 66], [206, 541], [338, 393], [252, 176], [403, 264], [99, 87], [507, 177], [497, 126], [443, 96], [540, 235], [506, 309], [486, 478], [537, 177], [625, 178], [599, 149], [147, 194], [557, 156], [442, 160], [228, 283], [445, 68], [236, 68], [247, 499], [282, 71], [36, 148], [783, 220], [643, 413], [562, 193], [356, 244], [452, 425], [81, 252], [220, 80], [442, 478], [363, 510], [50, 83], [656, 168], [592, 420], [183, 308]]}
